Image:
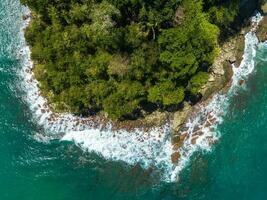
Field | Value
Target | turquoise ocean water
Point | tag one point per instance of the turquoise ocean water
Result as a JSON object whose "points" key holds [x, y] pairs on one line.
{"points": [[32, 170]]}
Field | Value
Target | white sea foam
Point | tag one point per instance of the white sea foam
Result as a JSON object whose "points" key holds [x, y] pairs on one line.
{"points": [[217, 107], [152, 148], [148, 149]]}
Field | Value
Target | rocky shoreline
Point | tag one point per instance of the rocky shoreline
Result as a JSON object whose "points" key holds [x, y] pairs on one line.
{"points": [[220, 77], [181, 135], [230, 57]]}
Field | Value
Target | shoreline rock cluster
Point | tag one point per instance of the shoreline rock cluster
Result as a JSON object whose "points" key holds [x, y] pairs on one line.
{"points": [[220, 76], [220, 80]]}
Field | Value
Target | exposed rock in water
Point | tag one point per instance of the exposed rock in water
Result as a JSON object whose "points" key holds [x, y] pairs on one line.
{"points": [[221, 71], [221, 74], [220, 79], [178, 141], [179, 117], [194, 140], [175, 157], [241, 82]]}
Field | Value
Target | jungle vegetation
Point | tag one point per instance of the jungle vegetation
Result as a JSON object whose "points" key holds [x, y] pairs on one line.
{"points": [[122, 56]]}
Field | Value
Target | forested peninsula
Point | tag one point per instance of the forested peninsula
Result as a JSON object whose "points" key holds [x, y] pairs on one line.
{"points": [[127, 58]]}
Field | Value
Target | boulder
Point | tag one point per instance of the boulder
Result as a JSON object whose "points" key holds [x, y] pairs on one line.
{"points": [[232, 59], [217, 69], [241, 82], [156, 118], [175, 157], [211, 78], [194, 140], [179, 117]]}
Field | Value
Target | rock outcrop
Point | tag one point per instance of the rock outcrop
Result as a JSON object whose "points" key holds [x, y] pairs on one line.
{"points": [[262, 30], [179, 117], [220, 78]]}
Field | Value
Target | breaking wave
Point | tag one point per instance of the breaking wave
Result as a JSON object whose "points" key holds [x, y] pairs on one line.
{"points": [[200, 130], [153, 148]]}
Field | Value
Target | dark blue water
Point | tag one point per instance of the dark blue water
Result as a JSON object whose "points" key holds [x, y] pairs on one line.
{"points": [[32, 170]]}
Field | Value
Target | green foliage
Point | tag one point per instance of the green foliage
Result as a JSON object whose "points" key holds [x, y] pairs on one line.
{"points": [[197, 81], [222, 13], [125, 99], [117, 55], [167, 93]]}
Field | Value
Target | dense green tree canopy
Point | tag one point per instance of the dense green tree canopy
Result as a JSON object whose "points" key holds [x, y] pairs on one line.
{"points": [[119, 55]]}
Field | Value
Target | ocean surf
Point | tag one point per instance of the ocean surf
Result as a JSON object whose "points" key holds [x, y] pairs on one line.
{"points": [[152, 148]]}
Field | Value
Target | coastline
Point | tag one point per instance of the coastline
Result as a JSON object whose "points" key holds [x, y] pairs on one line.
{"points": [[220, 77], [169, 140], [198, 132]]}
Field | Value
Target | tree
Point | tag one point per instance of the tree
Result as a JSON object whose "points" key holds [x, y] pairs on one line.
{"points": [[119, 55], [197, 81], [124, 100], [166, 93]]}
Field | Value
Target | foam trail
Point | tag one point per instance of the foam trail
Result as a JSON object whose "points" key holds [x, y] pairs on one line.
{"points": [[153, 148], [200, 129], [247, 65]]}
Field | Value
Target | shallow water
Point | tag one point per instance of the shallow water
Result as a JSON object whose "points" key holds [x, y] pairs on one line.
{"points": [[32, 169]]}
